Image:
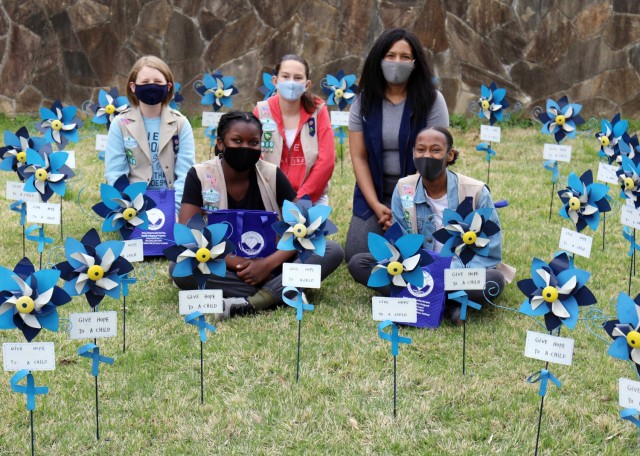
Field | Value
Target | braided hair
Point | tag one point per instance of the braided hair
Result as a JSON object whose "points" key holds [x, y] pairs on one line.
{"points": [[229, 118]]}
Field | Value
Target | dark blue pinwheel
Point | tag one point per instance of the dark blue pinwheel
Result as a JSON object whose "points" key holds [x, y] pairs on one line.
{"points": [[340, 89], [629, 178], [109, 105], [45, 172], [93, 268], [14, 151], [59, 124], [124, 206], [177, 96], [303, 227], [492, 103], [200, 250], [29, 299], [400, 259], [466, 233], [625, 331], [561, 119], [267, 88], [584, 200], [611, 138], [556, 290], [216, 90]]}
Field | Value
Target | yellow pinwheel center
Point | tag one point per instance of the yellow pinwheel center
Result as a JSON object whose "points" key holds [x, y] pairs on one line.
{"points": [[485, 104], [219, 93], [604, 141], [469, 238], [550, 294], [629, 183], [574, 203], [56, 124], [633, 339], [394, 268], [339, 93], [203, 255], [299, 230], [41, 174], [25, 305], [109, 109], [129, 213], [560, 119], [21, 157], [95, 272]]}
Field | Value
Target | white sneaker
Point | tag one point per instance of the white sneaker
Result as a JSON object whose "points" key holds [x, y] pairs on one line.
{"points": [[232, 306]]}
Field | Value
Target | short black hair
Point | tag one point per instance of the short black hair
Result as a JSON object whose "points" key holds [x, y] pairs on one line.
{"points": [[234, 116], [449, 137]]}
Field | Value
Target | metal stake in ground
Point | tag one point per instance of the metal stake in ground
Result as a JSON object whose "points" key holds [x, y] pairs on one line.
{"points": [[300, 303], [197, 319], [543, 376], [92, 351], [395, 340], [30, 390]]}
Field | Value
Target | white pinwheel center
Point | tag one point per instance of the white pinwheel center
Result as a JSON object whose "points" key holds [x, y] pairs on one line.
{"points": [[203, 255], [25, 305], [485, 104], [628, 183], [129, 213], [110, 109], [560, 119], [219, 93], [21, 157], [550, 294], [95, 272], [604, 141], [339, 93], [56, 124], [469, 238], [41, 174], [633, 339], [394, 268], [574, 203], [299, 230]]}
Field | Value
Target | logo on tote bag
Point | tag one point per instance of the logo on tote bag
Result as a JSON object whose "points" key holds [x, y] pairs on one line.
{"points": [[251, 242], [156, 219]]}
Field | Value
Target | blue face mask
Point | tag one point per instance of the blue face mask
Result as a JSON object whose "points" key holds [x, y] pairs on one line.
{"points": [[151, 94], [290, 90]]}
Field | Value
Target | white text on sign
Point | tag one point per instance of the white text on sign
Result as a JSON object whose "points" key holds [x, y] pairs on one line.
{"points": [[133, 251], [546, 347], [33, 356], [204, 301], [607, 173], [630, 216], [15, 193], [575, 242], [48, 213], [211, 119], [101, 142], [557, 152], [399, 310], [465, 279], [488, 133], [340, 118], [628, 393], [301, 275], [93, 325]]}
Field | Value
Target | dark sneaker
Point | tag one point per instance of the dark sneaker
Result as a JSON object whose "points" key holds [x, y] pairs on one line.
{"points": [[262, 300], [232, 307]]}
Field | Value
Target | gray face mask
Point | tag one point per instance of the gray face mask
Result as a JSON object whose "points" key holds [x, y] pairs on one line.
{"points": [[396, 72]]}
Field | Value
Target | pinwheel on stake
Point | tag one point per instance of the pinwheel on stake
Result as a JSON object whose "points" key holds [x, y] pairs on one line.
{"points": [[109, 105], [625, 331], [629, 179], [611, 138], [14, 152], [59, 124], [45, 172], [340, 89], [124, 206], [561, 119], [267, 88], [492, 103], [177, 96], [584, 200], [216, 90]]}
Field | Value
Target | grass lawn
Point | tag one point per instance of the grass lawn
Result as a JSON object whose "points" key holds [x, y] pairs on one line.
{"points": [[150, 397]]}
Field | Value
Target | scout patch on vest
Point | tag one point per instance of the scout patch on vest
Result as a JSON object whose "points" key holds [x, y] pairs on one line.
{"points": [[268, 124], [130, 157], [210, 199], [267, 143], [130, 142], [312, 127]]}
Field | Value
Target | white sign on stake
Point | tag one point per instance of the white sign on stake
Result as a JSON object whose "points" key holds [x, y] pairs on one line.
{"points": [[93, 325], [489, 133], [340, 118], [48, 213], [628, 393], [465, 279], [301, 275], [574, 242], [204, 301], [557, 152], [15, 192], [630, 216], [546, 347], [33, 356], [607, 173], [101, 142], [133, 251], [399, 310], [211, 119]]}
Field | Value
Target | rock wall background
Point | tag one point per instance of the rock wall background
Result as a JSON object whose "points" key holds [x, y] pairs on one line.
{"points": [[65, 49]]}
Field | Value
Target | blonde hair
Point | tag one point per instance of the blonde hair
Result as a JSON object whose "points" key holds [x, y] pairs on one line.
{"points": [[154, 62]]}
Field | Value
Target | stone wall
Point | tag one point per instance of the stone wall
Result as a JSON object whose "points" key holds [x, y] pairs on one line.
{"points": [[64, 49]]}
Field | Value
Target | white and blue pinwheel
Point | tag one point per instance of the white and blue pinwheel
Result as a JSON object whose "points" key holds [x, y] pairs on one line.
{"points": [[216, 90], [561, 119], [584, 200], [45, 172], [625, 331], [109, 105], [492, 103], [340, 89], [60, 124]]}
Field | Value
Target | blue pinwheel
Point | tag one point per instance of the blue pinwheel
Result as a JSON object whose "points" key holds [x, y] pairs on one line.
{"points": [[400, 259], [200, 250], [45, 172], [340, 89], [14, 152], [93, 269], [629, 179], [304, 227], [30, 299], [486, 148], [625, 331], [177, 96], [466, 233], [267, 88], [561, 119], [556, 290], [124, 206], [59, 124], [584, 200], [109, 105], [216, 90], [612, 137], [492, 103]]}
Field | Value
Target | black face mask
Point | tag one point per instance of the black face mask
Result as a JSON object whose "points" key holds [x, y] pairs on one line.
{"points": [[151, 94], [430, 168], [241, 158]]}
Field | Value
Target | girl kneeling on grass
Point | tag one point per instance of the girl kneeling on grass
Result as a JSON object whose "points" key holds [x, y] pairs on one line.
{"points": [[238, 179]]}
